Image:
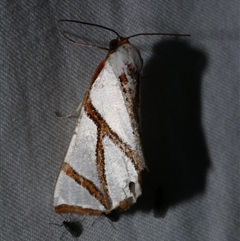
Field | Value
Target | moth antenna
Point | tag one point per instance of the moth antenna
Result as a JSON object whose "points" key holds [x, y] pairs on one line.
{"points": [[92, 46], [91, 24], [166, 34], [84, 44]]}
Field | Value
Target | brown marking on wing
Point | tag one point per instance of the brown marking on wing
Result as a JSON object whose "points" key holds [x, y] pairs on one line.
{"points": [[83, 181], [124, 81], [125, 204], [65, 208], [132, 71], [97, 72], [100, 162], [132, 109], [104, 129]]}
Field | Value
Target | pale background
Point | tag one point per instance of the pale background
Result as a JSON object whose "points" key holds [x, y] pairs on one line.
{"points": [[190, 115]]}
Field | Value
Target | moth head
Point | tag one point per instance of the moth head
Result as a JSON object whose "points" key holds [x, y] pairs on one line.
{"points": [[114, 43]]}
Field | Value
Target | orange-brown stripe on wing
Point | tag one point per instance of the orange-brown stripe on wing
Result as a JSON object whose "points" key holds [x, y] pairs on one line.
{"points": [[97, 72], [104, 129], [131, 101], [124, 82], [65, 208], [94, 116], [101, 169], [83, 181]]}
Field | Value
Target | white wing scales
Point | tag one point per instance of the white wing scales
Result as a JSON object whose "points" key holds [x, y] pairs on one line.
{"points": [[81, 154], [106, 96], [104, 157], [119, 172], [69, 192]]}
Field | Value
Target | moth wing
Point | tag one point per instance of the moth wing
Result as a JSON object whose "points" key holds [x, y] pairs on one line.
{"points": [[82, 160], [111, 101], [104, 159]]}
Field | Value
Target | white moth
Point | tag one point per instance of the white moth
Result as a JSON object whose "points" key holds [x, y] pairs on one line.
{"points": [[102, 168]]}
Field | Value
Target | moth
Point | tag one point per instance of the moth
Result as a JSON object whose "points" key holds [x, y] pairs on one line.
{"points": [[102, 168]]}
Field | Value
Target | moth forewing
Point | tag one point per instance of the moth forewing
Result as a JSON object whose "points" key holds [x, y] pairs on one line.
{"points": [[103, 164]]}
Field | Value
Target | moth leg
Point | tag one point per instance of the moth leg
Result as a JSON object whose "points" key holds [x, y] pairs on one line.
{"points": [[75, 112]]}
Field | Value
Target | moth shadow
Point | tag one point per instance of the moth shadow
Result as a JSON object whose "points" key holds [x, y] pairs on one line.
{"points": [[171, 124]]}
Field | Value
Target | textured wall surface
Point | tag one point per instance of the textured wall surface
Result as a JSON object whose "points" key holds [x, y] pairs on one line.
{"points": [[189, 115]]}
